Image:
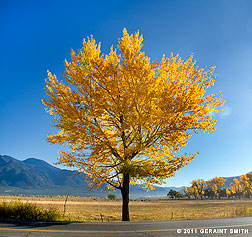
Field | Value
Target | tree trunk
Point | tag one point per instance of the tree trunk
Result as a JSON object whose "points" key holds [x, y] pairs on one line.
{"points": [[125, 197]]}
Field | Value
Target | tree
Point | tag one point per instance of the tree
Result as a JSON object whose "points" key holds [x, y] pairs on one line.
{"points": [[174, 194], [179, 195], [208, 193], [228, 192], [123, 117], [237, 188], [197, 188], [246, 182], [216, 184], [242, 187], [186, 192], [112, 196]]}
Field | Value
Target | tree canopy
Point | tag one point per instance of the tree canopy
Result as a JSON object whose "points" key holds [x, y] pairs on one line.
{"points": [[123, 117]]}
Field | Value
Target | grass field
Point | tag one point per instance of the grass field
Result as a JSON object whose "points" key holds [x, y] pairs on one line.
{"points": [[94, 209]]}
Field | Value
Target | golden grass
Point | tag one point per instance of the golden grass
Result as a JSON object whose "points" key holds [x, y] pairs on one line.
{"points": [[92, 209]]}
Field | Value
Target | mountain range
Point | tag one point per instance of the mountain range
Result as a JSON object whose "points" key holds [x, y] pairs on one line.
{"points": [[36, 177]]}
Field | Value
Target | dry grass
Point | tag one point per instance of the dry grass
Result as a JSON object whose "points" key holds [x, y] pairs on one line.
{"points": [[27, 211], [89, 209]]}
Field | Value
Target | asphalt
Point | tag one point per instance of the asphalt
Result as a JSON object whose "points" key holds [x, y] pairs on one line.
{"points": [[241, 226]]}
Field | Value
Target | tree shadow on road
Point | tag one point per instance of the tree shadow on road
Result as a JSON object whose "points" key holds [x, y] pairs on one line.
{"points": [[31, 223]]}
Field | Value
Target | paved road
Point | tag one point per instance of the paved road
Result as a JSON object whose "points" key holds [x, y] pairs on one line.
{"points": [[241, 226]]}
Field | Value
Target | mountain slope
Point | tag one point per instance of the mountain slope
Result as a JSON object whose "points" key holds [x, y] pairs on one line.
{"points": [[15, 173], [35, 176], [35, 173]]}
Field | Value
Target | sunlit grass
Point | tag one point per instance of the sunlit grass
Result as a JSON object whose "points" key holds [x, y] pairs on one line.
{"points": [[27, 211]]}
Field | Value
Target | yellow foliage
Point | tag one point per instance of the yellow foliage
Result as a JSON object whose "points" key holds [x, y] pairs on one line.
{"points": [[121, 113], [246, 184], [197, 188], [228, 192], [236, 186], [215, 184]]}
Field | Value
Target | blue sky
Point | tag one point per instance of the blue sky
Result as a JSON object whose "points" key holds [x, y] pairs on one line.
{"points": [[38, 35]]}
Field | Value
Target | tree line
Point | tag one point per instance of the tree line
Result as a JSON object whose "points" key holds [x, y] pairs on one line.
{"points": [[213, 189]]}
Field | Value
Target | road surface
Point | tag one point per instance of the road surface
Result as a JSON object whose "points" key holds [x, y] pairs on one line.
{"points": [[241, 226]]}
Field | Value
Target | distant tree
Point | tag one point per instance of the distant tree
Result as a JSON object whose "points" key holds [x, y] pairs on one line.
{"points": [[112, 196], [228, 192], [179, 195], [197, 188], [246, 182], [123, 117], [172, 194], [208, 193], [186, 192], [194, 192], [223, 193], [237, 188], [216, 184]]}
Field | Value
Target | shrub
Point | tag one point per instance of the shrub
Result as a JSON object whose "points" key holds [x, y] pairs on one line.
{"points": [[27, 211]]}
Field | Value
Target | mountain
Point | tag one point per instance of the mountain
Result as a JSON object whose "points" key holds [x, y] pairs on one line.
{"points": [[35, 176], [35, 173], [229, 180]]}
